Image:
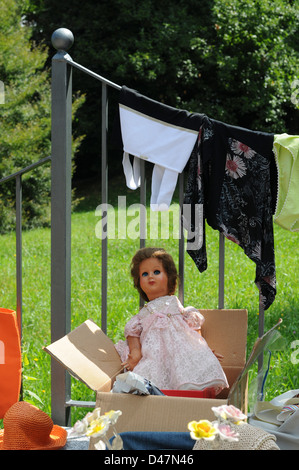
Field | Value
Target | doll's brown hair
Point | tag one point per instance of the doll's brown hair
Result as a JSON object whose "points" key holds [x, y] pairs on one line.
{"points": [[167, 262]]}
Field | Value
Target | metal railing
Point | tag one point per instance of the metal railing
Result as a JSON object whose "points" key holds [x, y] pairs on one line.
{"points": [[18, 178], [62, 65], [61, 163]]}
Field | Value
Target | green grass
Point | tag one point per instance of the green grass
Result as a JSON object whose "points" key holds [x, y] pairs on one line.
{"points": [[201, 290]]}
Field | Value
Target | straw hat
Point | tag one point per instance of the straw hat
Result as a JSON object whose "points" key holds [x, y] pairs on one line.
{"points": [[28, 428]]}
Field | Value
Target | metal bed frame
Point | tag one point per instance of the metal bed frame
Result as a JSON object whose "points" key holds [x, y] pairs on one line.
{"points": [[61, 157]]}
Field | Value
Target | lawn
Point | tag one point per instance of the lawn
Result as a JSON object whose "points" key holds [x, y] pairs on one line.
{"points": [[201, 290]]}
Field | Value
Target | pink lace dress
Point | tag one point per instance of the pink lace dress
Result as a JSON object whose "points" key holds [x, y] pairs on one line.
{"points": [[174, 355]]}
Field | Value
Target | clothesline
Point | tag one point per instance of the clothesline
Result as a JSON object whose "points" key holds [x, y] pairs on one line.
{"points": [[167, 137], [288, 145], [236, 162], [240, 165]]}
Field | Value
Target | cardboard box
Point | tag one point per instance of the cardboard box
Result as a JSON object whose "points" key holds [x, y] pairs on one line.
{"points": [[90, 356]]}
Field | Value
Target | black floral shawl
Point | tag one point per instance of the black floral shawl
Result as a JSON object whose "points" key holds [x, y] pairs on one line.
{"points": [[232, 173]]}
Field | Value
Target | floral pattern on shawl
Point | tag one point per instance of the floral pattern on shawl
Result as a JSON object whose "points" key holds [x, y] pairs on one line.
{"points": [[244, 213]]}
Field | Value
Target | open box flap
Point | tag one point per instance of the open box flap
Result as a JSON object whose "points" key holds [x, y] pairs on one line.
{"points": [[225, 331], [88, 354]]}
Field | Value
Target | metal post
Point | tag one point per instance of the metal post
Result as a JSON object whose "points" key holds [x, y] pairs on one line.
{"points": [[143, 214], [104, 201], [19, 249], [143, 217], [221, 270], [61, 218], [181, 240], [260, 360]]}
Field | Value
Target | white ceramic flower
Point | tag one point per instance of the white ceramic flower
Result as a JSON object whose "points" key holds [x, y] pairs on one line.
{"points": [[79, 428], [226, 433], [229, 412], [113, 416]]}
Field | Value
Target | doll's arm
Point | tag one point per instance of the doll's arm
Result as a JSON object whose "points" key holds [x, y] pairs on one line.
{"points": [[135, 352]]}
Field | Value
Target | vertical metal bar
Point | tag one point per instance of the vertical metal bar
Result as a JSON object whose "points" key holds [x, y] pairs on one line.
{"points": [[61, 228], [19, 250], [181, 240], [104, 201], [261, 317], [260, 360], [19, 260], [143, 219], [143, 213], [221, 270]]}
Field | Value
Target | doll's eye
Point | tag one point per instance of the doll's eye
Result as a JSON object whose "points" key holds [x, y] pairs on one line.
{"points": [[144, 274], [156, 272]]}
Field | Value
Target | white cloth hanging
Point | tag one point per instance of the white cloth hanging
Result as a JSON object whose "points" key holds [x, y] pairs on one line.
{"points": [[160, 134]]}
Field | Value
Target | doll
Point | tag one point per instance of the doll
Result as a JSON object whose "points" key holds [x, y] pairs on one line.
{"points": [[163, 341]]}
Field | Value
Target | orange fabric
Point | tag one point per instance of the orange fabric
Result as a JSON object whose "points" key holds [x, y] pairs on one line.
{"points": [[10, 360], [28, 428]]}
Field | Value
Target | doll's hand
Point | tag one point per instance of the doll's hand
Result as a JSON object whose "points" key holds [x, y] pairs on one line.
{"points": [[133, 359], [219, 356]]}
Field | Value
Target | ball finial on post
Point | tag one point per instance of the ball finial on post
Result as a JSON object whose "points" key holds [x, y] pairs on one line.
{"points": [[62, 39]]}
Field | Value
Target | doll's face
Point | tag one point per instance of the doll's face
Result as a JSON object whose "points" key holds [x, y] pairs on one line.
{"points": [[153, 278]]}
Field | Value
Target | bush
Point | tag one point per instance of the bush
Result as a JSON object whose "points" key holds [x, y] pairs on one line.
{"points": [[235, 61], [25, 118]]}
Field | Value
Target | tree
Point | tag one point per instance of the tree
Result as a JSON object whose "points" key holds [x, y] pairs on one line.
{"points": [[257, 60], [25, 119], [235, 61]]}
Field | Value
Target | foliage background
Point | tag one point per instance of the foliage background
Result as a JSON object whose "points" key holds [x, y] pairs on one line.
{"points": [[25, 118], [232, 60], [235, 61]]}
